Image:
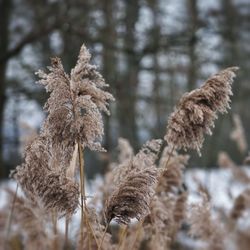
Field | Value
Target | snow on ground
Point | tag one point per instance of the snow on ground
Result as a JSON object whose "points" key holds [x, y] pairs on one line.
{"points": [[220, 183]]}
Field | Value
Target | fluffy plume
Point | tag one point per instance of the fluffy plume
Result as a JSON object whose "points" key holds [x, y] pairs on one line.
{"points": [[238, 134], [204, 226], [43, 183], [159, 223], [30, 222], [74, 116], [197, 111], [132, 197], [145, 158], [75, 104]]}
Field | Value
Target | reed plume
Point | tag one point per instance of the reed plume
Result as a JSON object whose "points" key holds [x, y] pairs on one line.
{"points": [[30, 221], [74, 117], [197, 110], [43, 184], [132, 197], [75, 104], [145, 158], [159, 223], [203, 226]]}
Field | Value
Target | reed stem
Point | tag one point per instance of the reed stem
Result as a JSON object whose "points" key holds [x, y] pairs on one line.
{"points": [[104, 233], [54, 223], [84, 208], [10, 217], [66, 236], [137, 233], [123, 237]]}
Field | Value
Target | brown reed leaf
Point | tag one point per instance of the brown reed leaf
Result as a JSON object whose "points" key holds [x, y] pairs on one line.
{"points": [[132, 197], [197, 110]]}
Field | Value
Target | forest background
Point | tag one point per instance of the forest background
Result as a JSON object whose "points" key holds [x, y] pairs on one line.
{"points": [[149, 51]]}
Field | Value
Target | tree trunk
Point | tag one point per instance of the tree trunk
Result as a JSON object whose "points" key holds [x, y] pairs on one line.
{"points": [[5, 8], [109, 61], [192, 69], [126, 84]]}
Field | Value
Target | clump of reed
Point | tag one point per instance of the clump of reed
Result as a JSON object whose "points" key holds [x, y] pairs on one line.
{"points": [[144, 202]]}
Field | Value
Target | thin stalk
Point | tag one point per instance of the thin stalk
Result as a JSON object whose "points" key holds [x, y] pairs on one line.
{"points": [[93, 233], [84, 209], [54, 222], [104, 233], [8, 227], [123, 237], [66, 236], [82, 188], [138, 229]]}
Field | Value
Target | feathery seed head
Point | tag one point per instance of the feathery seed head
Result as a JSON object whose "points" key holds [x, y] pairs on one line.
{"points": [[132, 198], [198, 109]]}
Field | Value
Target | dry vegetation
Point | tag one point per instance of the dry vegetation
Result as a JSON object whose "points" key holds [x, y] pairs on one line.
{"points": [[143, 200]]}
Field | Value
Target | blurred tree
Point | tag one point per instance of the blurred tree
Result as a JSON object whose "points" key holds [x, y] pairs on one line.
{"points": [[5, 12], [166, 46]]}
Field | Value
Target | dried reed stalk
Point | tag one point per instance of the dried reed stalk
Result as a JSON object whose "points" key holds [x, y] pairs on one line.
{"points": [[94, 243]]}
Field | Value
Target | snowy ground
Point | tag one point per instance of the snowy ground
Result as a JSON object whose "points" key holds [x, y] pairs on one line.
{"points": [[221, 184]]}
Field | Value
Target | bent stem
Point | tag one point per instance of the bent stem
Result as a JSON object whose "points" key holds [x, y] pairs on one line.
{"points": [[66, 236], [84, 209], [123, 237], [104, 233], [54, 221], [82, 188], [8, 227], [138, 229]]}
